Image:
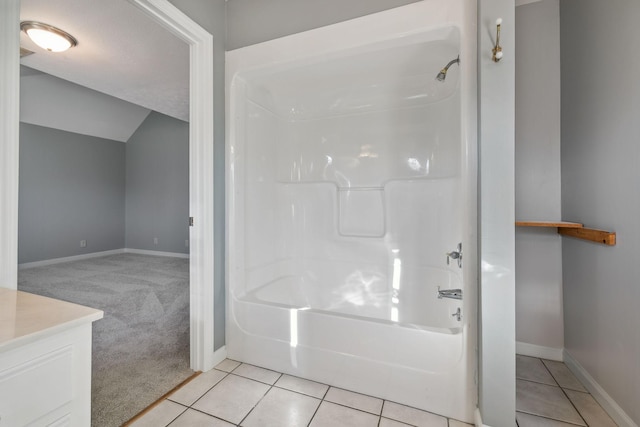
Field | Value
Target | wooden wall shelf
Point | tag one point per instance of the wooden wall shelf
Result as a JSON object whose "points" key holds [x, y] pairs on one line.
{"points": [[575, 229], [555, 224]]}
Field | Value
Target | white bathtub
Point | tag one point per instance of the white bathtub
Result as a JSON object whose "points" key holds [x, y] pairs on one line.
{"points": [[351, 173]]}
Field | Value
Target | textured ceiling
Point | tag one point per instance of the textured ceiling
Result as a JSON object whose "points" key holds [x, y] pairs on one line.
{"points": [[120, 52]]}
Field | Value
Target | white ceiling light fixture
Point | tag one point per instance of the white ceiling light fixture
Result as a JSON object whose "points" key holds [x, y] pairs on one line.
{"points": [[48, 37]]}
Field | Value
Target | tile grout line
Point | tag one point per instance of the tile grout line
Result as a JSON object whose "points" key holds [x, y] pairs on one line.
{"points": [[414, 408], [279, 387], [584, 390], [263, 396], [575, 407], [178, 416], [316, 411], [539, 382], [162, 399], [555, 382], [260, 400], [352, 408], [202, 395], [550, 419], [226, 374], [321, 399], [209, 415], [565, 394]]}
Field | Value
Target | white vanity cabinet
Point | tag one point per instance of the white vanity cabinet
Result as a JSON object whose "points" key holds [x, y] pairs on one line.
{"points": [[45, 361]]}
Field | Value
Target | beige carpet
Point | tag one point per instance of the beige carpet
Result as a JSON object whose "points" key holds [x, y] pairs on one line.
{"points": [[141, 347]]}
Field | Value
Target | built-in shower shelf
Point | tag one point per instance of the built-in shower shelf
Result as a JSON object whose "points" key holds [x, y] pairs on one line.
{"points": [[575, 229]]}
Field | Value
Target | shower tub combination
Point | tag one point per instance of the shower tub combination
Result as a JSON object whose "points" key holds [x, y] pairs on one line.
{"points": [[351, 175]]}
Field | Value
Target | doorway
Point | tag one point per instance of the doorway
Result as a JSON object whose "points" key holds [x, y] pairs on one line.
{"points": [[200, 177]]}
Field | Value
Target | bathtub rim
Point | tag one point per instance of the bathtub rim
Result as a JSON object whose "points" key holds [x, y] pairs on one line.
{"points": [[250, 298]]}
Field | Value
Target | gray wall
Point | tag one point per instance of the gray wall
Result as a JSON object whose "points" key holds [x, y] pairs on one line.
{"points": [[538, 250], [497, 215], [210, 14], [600, 187], [255, 21], [72, 188], [157, 185]]}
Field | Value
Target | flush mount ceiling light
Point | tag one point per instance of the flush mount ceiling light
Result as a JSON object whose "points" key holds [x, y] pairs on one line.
{"points": [[47, 37]]}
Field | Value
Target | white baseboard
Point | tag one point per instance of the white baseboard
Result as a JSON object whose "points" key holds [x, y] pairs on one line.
{"points": [[478, 419], [602, 397], [68, 259], [99, 254], [549, 353], [155, 253]]}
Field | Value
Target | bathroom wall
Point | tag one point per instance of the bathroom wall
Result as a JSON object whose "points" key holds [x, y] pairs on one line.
{"points": [[538, 250], [157, 185], [600, 186], [496, 244], [72, 188], [255, 21]]}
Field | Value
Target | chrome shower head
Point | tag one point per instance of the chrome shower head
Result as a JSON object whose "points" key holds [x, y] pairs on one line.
{"points": [[443, 73]]}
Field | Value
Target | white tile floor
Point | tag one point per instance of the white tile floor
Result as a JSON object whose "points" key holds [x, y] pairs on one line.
{"points": [[549, 395], [237, 394]]}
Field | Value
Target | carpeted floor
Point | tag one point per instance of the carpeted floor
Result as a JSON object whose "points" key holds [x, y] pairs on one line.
{"points": [[141, 347]]}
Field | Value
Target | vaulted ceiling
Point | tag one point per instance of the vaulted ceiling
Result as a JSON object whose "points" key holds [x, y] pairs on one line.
{"points": [[121, 53]]}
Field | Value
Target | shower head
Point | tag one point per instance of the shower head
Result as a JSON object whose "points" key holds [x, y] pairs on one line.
{"points": [[443, 73]]}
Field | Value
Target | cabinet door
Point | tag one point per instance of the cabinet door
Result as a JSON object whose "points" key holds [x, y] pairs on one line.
{"points": [[38, 391]]}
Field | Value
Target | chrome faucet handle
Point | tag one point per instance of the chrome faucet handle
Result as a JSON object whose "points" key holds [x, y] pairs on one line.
{"points": [[452, 254], [449, 293], [457, 254]]}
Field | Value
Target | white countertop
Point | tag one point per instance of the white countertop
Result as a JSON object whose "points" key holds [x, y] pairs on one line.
{"points": [[26, 317]]}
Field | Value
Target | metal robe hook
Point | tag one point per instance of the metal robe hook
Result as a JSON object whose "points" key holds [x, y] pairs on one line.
{"points": [[497, 49]]}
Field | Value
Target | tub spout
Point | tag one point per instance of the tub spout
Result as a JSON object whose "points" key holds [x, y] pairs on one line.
{"points": [[449, 293]]}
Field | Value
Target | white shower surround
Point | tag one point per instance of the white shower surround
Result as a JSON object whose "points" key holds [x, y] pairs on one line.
{"points": [[350, 172]]}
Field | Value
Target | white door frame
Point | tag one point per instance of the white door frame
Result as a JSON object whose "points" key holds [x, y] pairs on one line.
{"points": [[200, 175], [200, 163], [9, 146]]}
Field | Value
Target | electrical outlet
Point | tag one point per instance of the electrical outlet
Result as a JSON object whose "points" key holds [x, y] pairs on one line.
{"points": [[186, 243], [155, 240], [83, 243]]}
